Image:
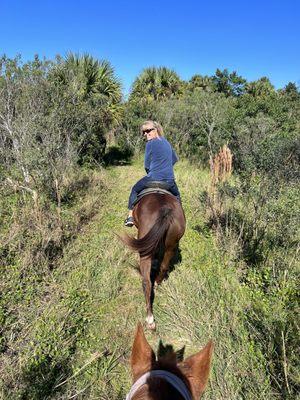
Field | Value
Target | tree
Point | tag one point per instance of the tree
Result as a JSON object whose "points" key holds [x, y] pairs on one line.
{"points": [[89, 79], [231, 84], [93, 95], [199, 82], [24, 97], [53, 115], [261, 87], [156, 83], [291, 91]]}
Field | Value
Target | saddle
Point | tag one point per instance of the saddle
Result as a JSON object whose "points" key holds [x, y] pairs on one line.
{"points": [[154, 187]]}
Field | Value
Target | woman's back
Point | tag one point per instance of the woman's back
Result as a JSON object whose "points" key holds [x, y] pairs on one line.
{"points": [[159, 159]]}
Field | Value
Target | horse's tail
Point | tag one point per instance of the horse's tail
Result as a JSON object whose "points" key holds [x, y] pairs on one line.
{"points": [[148, 244]]}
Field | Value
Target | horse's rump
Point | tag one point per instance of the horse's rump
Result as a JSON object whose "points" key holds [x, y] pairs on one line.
{"points": [[148, 244]]}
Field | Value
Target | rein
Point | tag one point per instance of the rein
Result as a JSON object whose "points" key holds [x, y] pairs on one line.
{"points": [[176, 382]]}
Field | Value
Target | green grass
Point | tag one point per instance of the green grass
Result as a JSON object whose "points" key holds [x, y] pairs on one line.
{"points": [[76, 338]]}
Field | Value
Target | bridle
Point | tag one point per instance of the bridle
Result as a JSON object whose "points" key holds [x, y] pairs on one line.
{"points": [[172, 379], [176, 382]]}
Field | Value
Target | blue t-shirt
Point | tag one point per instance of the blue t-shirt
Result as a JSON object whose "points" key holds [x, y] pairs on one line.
{"points": [[159, 159]]}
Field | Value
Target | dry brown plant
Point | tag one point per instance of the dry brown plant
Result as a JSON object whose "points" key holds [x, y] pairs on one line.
{"points": [[220, 170], [221, 166]]}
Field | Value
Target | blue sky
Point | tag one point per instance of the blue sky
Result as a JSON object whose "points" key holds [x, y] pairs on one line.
{"points": [[255, 38]]}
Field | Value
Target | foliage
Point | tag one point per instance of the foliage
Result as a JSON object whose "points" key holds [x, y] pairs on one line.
{"points": [[33, 238], [155, 84], [53, 115], [291, 91], [32, 146], [261, 87], [195, 124], [230, 84], [93, 94], [135, 113], [199, 82], [256, 220]]}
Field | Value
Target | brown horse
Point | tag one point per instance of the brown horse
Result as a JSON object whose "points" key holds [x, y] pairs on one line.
{"points": [[165, 379], [160, 221]]}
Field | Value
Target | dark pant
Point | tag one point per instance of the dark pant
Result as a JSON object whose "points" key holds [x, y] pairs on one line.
{"points": [[143, 184]]}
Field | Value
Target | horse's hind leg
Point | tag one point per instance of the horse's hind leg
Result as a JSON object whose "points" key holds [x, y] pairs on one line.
{"points": [[145, 266], [164, 266]]}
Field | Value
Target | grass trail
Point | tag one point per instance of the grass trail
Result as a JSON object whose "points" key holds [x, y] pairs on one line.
{"points": [[96, 301]]}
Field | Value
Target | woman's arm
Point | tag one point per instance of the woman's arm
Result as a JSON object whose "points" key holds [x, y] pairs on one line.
{"points": [[148, 156], [174, 157]]}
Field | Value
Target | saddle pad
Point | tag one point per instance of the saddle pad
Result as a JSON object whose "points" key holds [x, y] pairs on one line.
{"points": [[151, 190]]}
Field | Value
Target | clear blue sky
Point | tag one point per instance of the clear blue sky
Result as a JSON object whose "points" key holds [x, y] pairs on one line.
{"points": [[255, 38]]}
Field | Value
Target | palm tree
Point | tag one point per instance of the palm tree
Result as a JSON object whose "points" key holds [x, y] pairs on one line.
{"points": [[156, 83], [91, 97], [199, 82], [89, 79], [261, 87]]}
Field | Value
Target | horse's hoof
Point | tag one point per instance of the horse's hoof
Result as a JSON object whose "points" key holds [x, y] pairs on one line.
{"points": [[151, 323], [152, 326]]}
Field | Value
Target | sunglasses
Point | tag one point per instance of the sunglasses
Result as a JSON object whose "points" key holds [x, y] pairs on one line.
{"points": [[148, 130]]}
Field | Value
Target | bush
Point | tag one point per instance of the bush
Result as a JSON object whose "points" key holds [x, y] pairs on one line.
{"points": [[53, 115], [195, 124], [258, 227]]}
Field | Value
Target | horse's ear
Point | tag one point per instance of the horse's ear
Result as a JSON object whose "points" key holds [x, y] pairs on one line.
{"points": [[196, 369], [142, 355]]}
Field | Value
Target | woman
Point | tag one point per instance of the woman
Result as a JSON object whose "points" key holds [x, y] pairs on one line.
{"points": [[159, 160]]}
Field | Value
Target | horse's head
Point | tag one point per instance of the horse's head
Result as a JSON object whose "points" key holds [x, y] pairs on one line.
{"points": [[165, 378]]}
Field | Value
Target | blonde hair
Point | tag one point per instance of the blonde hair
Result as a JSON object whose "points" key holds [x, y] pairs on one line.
{"points": [[156, 125]]}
